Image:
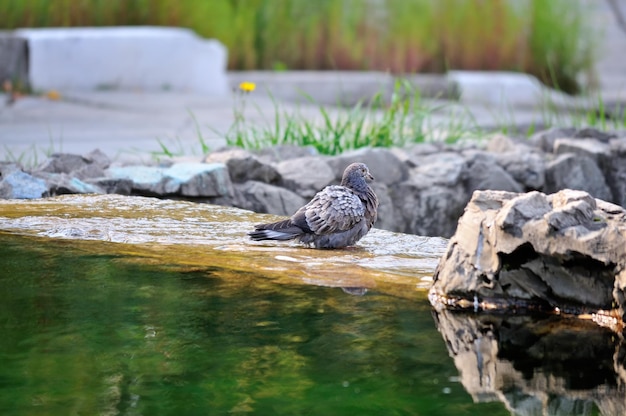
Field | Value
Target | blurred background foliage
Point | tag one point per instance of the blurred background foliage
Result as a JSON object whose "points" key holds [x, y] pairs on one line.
{"points": [[550, 39]]}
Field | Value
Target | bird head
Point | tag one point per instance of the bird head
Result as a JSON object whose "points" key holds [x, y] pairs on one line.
{"points": [[356, 171]]}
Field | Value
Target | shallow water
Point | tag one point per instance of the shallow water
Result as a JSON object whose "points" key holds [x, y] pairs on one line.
{"points": [[86, 334]]}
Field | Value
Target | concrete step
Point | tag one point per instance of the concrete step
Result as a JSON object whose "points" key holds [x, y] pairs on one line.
{"points": [[121, 58]]}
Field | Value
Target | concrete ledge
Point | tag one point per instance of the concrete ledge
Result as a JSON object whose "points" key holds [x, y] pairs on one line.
{"points": [[135, 58], [339, 87]]}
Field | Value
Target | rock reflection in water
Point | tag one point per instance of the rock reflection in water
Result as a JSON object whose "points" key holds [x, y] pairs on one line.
{"points": [[537, 365]]}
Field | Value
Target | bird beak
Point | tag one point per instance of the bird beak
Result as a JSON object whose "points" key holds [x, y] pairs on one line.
{"points": [[369, 176]]}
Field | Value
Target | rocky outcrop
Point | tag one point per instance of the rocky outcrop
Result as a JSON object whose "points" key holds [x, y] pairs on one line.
{"points": [[561, 253], [422, 188]]}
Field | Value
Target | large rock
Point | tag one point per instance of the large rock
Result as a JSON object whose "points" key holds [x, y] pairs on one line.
{"points": [[262, 197], [431, 200], [560, 252], [443, 168], [387, 219], [91, 165], [16, 184], [184, 179], [570, 171], [243, 166], [616, 171], [484, 173], [384, 164], [528, 168], [500, 143], [305, 175], [120, 186], [545, 139], [63, 163], [64, 184], [595, 134], [591, 148]]}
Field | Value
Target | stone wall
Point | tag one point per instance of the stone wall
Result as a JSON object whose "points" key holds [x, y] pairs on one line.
{"points": [[422, 188]]}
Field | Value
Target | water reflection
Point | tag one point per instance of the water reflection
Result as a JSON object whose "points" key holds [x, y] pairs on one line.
{"points": [[537, 365], [88, 333]]}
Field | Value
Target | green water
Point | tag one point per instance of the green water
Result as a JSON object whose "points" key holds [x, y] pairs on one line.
{"points": [[84, 334]]}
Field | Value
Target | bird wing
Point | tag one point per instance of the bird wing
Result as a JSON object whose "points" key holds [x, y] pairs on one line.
{"points": [[333, 209]]}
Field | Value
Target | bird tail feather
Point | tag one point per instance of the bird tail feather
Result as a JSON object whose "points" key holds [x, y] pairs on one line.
{"points": [[282, 230]]}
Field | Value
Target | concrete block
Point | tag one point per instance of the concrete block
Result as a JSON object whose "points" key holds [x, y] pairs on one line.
{"points": [[508, 90], [497, 88], [135, 58]]}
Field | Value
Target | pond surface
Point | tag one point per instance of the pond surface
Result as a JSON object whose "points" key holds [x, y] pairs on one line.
{"points": [[86, 334]]}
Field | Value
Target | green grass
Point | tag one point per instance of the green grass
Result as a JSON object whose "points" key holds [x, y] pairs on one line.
{"points": [[401, 120], [32, 156], [547, 38]]}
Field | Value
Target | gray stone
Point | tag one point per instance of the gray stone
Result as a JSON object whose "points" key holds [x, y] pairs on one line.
{"points": [[527, 168], [112, 186], [444, 168], [63, 163], [91, 165], [415, 153], [201, 179], [244, 166], [306, 175], [184, 179], [64, 184], [562, 252], [591, 148], [8, 167], [615, 171], [262, 197], [544, 140], [431, 200], [98, 158], [484, 173], [386, 213], [16, 184], [593, 133], [530, 206], [145, 179], [569, 171], [89, 171], [384, 164], [426, 209], [402, 154], [499, 143]]}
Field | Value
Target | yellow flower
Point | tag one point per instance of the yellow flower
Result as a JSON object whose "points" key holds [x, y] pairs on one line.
{"points": [[247, 86], [53, 95]]}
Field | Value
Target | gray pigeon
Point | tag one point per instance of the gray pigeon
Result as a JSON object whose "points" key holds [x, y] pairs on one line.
{"points": [[337, 216]]}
